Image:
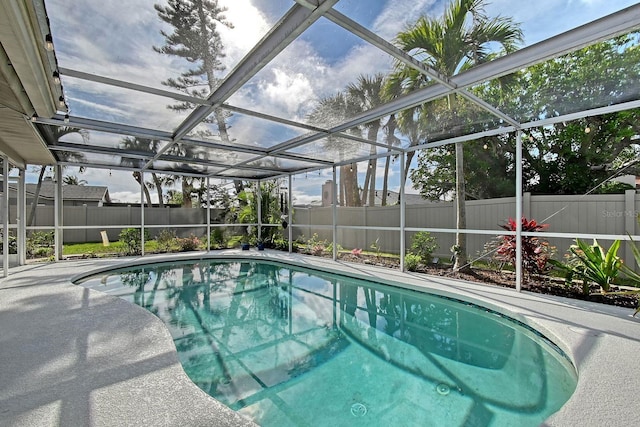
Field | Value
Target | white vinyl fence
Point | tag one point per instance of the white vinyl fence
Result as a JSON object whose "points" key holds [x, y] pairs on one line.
{"points": [[571, 216], [574, 216]]}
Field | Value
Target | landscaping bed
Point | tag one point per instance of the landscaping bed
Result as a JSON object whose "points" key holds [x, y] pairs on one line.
{"points": [[539, 284]]}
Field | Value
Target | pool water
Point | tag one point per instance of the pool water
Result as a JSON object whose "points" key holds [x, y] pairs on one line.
{"points": [[288, 346]]}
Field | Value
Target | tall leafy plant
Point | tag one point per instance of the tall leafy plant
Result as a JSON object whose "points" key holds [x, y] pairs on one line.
{"points": [[536, 252], [597, 265], [593, 264], [631, 275], [270, 211]]}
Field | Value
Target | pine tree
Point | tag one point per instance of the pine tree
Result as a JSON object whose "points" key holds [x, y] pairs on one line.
{"points": [[195, 38]]}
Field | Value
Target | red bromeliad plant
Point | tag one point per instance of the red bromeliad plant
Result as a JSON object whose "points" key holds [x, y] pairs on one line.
{"points": [[535, 252]]}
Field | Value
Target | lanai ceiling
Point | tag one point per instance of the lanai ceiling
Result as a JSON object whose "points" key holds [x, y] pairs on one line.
{"points": [[104, 76]]}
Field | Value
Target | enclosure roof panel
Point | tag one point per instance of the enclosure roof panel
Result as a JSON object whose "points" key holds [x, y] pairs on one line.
{"points": [[279, 87]]}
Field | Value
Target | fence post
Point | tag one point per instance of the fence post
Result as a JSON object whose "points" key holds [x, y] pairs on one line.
{"points": [[630, 221], [526, 205]]}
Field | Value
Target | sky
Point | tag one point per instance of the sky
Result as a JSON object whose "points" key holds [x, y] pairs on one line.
{"points": [[97, 37]]}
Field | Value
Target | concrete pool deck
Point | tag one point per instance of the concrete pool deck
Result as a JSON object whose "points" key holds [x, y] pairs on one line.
{"points": [[72, 356]]}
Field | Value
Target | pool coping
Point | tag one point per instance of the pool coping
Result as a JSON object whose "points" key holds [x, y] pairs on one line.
{"points": [[602, 342]]}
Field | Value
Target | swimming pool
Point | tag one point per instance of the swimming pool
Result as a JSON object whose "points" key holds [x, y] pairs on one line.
{"points": [[291, 346]]}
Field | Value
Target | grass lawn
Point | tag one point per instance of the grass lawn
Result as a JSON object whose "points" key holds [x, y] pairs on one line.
{"points": [[99, 248], [90, 248]]}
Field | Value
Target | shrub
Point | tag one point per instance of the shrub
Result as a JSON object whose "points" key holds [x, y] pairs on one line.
{"points": [[217, 238], [235, 240], [317, 250], [42, 238], [281, 244], [377, 247], [411, 262], [13, 244], [315, 246], [190, 243], [131, 241], [592, 264], [39, 244], [535, 252], [166, 239], [423, 245], [330, 248], [42, 252]]}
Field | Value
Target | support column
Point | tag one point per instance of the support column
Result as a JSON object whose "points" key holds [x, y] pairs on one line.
{"points": [[402, 213], [290, 215], [518, 210], [142, 213], [58, 220], [5, 215], [334, 213], [208, 217], [259, 202], [21, 218]]}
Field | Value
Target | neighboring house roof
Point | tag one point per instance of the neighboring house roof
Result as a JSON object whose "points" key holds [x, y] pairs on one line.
{"points": [[87, 193]]}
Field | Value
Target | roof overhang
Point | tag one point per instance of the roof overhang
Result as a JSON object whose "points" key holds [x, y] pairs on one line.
{"points": [[27, 86]]}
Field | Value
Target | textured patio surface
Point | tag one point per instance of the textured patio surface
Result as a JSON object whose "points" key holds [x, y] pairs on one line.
{"points": [[71, 356]]}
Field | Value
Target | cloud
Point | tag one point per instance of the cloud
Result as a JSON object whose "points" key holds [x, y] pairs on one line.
{"points": [[290, 90], [124, 197], [97, 37], [400, 13], [249, 26], [301, 198], [293, 84]]}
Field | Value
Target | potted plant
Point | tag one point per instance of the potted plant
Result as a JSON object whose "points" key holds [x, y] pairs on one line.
{"points": [[260, 244]]}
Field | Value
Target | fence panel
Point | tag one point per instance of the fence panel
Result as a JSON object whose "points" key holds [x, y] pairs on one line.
{"points": [[614, 214]]}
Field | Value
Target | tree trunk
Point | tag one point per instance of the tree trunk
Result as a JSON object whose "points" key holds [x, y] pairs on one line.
{"points": [[186, 193], [373, 163], [138, 178], [352, 191], [461, 217], [365, 187], [342, 187], [385, 180], [372, 184], [158, 185], [391, 127], [403, 182], [36, 196], [369, 188]]}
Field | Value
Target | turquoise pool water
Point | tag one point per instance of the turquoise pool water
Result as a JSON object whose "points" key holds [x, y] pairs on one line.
{"points": [[288, 346]]}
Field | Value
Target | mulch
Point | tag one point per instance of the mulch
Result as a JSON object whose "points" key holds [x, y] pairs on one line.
{"points": [[538, 284]]}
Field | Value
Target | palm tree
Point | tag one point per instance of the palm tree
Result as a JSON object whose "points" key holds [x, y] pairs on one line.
{"points": [[450, 44], [73, 180], [366, 94], [392, 139], [333, 110], [146, 147]]}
